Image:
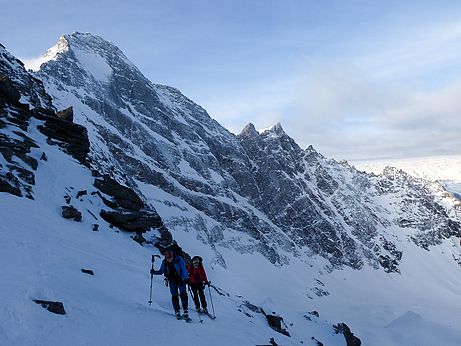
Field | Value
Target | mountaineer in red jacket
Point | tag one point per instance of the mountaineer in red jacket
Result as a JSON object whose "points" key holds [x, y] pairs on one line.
{"points": [[197, 282]]}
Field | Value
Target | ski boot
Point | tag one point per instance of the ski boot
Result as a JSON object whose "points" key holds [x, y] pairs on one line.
{"points": [[177, 314], [186, 316]]}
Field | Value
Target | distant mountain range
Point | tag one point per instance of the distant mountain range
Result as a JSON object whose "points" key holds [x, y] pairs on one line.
{"points": [[445, 169]]}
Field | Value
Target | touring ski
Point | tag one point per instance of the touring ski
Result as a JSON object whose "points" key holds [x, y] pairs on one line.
{"points": [[210, 316]]}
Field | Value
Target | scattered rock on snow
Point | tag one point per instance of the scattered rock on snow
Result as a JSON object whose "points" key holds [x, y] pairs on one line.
{"points": [[70, 212], [317, 343], [314, 313], [87, 271], [54, 307], [276, 323], [81, 193]]}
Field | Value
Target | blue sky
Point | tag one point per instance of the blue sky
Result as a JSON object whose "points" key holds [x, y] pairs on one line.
{"points": [[356, 79]]}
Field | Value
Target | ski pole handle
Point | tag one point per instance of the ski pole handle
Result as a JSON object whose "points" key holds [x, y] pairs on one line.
{"points": [[152, 267]]}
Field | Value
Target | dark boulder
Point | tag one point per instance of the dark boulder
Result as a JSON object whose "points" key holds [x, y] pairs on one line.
{"points": [[123, 196], [66, 114], [54, 307], [276, 323], [140, 221], [70, 212], [81, 193]]}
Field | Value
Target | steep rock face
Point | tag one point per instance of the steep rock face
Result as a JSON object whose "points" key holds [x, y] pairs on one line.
{"points": [[279, 198], [19, 91], [157, 136], [20, 154], [31, 89]]}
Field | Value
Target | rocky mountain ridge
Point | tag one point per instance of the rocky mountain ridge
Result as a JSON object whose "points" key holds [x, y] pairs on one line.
{"points": [[279, 198]]}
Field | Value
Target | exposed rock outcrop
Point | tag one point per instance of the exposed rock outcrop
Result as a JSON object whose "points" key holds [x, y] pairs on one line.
{"points": [[123, 196], [66, 114], [282, 198], [140, 221], [351, 340]]}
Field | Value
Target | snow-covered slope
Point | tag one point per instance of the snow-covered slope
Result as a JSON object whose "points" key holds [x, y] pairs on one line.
{"points": [[279, 228], [42, 256]]}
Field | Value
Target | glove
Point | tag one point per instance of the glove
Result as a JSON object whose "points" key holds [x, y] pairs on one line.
{"points": [[152, 271], [203, 284], [187, 281]]}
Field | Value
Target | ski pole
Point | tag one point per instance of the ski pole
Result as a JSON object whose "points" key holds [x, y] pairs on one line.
{"points": [[211, 299], [192, 295], [151, 277]]}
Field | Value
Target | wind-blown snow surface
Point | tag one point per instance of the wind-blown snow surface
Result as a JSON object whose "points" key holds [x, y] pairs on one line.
{"points": [[445, 169]]}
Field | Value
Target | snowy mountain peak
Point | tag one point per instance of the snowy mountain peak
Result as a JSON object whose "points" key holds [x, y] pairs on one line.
{"points": [[51, 54], [61, 46], [393, 172], [93, 59], [273, 130], [310, 150], [249, 131], [93, 44]]}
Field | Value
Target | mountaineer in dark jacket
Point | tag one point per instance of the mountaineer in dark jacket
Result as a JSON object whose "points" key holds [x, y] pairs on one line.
{"points": [[174, 269], [197, 282]]}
